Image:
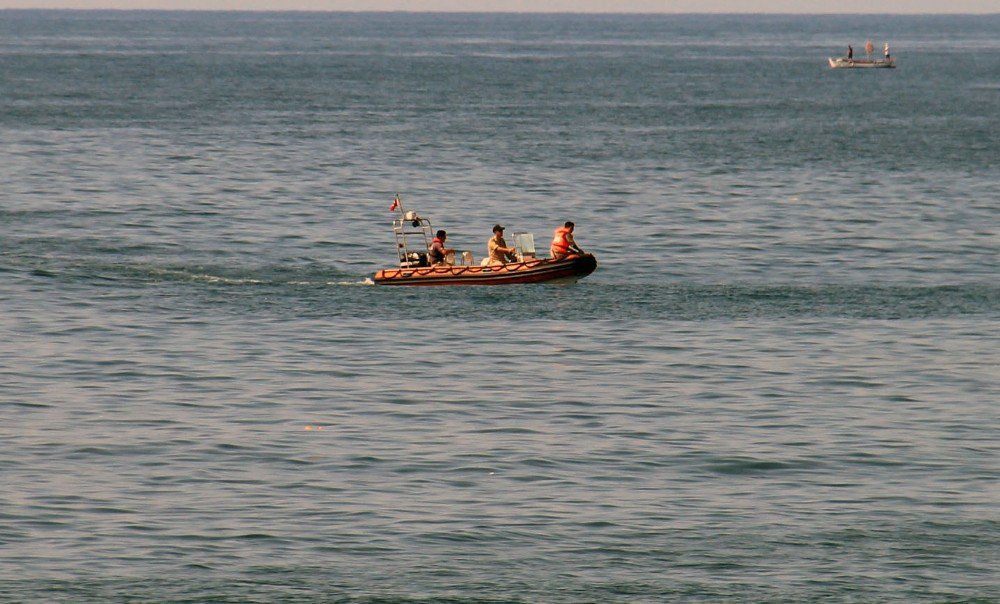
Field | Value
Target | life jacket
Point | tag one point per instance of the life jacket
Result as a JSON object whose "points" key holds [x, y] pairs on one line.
{"points": [[559, 242], [434, 253]]}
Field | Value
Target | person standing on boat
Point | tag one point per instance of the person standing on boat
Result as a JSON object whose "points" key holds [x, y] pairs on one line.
{"points": [[885, 51], [437, 254], [563, 243], [850, 52], [499, 253]]}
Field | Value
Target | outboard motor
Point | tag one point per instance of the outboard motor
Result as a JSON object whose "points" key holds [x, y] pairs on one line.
{"points": [[415, 259]]}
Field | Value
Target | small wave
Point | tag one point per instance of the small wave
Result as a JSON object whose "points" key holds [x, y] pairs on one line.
{"points": [[748, 466], [753, 301]]}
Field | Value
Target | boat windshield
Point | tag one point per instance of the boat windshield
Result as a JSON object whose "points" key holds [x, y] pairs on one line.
{"points": [[524, 244]]}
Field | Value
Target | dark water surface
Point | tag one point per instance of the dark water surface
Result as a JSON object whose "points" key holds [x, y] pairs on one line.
{"points": [[780, 385]]}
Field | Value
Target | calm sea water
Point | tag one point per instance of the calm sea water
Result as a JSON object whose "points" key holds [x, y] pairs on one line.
{"points": [[780, 385]]}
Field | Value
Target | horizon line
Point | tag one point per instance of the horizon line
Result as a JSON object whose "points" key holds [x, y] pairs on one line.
{"points": [[493, 12]]}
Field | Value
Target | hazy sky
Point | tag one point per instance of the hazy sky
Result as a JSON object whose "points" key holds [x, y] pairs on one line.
{"points": [[584, 6]]}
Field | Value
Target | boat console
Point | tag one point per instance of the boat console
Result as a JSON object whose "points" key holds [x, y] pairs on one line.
{"points": [[524, 246]]}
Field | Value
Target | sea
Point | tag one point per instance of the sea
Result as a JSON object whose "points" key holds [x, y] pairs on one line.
{"points": [[780, 384]]}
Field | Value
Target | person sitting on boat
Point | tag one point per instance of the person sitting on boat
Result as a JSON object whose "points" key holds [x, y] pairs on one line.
{"points": [[498, 252], [437, 254], [563, 243]]}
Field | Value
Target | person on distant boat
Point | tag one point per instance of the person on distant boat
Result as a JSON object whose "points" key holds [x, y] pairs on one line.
{"points": [[885, 51], [437, 254], [563, 243], [499, 253], [850, 52]]}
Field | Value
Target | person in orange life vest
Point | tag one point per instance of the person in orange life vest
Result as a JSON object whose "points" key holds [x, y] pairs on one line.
{"points": [[498, 252], [563, 243], [438, 253]]}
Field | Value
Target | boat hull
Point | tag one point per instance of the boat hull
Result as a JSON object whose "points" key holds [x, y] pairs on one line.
{"points": [[842, 63], [531, 271]]}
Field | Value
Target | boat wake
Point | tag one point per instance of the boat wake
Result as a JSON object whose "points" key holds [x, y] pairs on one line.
{"points": [[137, 273]]}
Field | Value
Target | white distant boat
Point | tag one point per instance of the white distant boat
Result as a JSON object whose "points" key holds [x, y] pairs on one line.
{"points": [[845, 63], [849, 62]]}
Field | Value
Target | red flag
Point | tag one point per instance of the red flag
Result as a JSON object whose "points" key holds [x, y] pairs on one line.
{"points": [[395, 204]]}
